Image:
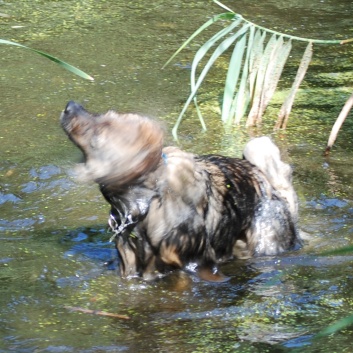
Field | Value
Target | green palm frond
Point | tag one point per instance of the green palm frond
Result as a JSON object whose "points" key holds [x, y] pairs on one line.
{"points": [[255, 67], [64, 64], [288, 103]]}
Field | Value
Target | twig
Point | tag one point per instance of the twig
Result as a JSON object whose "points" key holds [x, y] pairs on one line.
{"points": [[336, 127], [97, 312]]}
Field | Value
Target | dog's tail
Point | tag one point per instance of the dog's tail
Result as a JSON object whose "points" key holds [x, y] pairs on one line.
{"points": [[265, 155]]}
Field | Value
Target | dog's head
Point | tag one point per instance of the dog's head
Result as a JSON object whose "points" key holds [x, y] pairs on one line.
{"points": [[118, 148]]}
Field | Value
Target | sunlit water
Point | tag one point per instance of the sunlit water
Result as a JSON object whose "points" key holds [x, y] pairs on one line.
{"points": [[53, 230]]}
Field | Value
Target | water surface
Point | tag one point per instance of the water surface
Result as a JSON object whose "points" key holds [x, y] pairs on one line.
{"points": [[53, 229]]}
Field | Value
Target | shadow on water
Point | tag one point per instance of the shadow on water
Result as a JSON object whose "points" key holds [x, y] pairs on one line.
{"points": [[54, 242]]}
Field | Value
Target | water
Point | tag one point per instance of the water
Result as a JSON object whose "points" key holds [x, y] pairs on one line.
{"points": [[53, 229]]}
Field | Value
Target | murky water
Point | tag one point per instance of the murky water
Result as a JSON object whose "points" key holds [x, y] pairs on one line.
{"points": [[52, 229]]}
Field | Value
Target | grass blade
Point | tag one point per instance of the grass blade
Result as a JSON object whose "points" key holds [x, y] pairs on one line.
{"points": [[64, 64]]}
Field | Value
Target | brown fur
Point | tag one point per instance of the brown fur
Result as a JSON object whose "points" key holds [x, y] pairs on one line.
{"points": [[176, 210]]}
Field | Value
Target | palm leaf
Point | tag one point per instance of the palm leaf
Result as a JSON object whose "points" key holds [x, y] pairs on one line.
{"points": [[277, 61], [233, 71], [255, 59], [260, 80], [65, 65], [200, 54], [259, 71], [222, 16], [222, 5], [287, 105], [198, 57], [242, 98]]}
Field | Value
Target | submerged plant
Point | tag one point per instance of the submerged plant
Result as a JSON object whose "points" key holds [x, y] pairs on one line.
{"points": [[65, 65], [255, 67]]}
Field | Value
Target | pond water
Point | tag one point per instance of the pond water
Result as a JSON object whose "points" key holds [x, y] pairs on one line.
{"points": [[53, 230]]}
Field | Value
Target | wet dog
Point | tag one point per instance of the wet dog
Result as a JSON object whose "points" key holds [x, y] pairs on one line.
{"points": [[175, 210]]}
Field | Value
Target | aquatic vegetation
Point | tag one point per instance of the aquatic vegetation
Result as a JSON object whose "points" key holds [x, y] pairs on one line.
{"points": [[254, 68], [64, 64], [340, 120]]}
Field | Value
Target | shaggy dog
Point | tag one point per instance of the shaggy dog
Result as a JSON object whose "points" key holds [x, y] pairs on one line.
{"points": [[175, 210]]}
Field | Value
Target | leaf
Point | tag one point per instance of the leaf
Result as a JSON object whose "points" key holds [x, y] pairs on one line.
{"points": [[205, 48], [65, 65], [222, 5], [259, 72], [260, 78], [337, 326], [255, 59], [339, 121], [242, 98], [277, 61], [219, 51], [233, 72], [340, 251], [222, 16], [288, 103], [198, 57]]}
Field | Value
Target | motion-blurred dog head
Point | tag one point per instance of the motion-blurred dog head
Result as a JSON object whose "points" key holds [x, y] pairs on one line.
{"points": [[119, 147]]}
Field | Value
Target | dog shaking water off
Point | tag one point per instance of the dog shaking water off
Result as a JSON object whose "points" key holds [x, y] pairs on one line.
{"points": [[175, 210]]}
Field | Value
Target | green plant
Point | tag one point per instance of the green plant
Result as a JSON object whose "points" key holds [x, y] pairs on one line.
{"points": [[348, 320], [337, 125], [254, 69], [65, 65]]}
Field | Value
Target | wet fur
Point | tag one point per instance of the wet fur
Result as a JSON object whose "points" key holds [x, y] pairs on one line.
{"points": [[175, 210]]}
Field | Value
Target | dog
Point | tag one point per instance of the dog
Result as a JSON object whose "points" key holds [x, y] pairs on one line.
{"points": [[171, 209]]}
